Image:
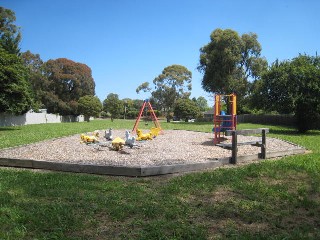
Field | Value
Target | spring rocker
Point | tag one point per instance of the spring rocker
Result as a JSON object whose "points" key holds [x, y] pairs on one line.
{"points": [[117, 144], [143, 136], [224, 121], [94, 138]]}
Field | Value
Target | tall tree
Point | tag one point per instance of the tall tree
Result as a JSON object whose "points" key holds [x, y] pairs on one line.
{"points": [[173, 83], [219, 59], [229, 62], [15, 94], [10, 35], [67, 82], [38, 81]]}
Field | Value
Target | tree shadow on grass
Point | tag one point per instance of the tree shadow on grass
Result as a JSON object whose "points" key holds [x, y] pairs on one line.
{"points": [[2, 129], [294, 132]]}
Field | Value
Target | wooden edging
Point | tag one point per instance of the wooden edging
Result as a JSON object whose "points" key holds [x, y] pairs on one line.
{"points": [[139, 171]]}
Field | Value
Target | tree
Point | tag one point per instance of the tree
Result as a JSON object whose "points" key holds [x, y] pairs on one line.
{"points": [[10, 35], [89, 106], [229, 61], [143, 87], [219, 59], [173, 83], [37, 80], [292, 87], [186, 108], [274, 91], [137, 104], [113, 105], [305, 73], [67, 82], [202, 103], [15, 94]]}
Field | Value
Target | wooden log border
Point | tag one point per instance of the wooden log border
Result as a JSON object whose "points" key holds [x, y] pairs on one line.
{"points": [[139, 171]]}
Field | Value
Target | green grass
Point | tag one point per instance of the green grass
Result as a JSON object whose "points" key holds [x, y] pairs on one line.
{"points": [[13, 136], [270, 200]]}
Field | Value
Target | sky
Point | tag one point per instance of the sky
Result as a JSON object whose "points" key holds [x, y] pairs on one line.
{"points": [[128, 42]]}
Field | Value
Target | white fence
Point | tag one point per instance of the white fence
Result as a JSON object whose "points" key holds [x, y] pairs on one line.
{"points": [[36, 118]]}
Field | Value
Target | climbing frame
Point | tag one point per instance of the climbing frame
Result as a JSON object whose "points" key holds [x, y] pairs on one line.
{"points": [[225, 122]]}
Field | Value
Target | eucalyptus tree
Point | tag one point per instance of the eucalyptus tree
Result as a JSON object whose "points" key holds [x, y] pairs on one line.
{"points": [[173, 83], [229, 62]]}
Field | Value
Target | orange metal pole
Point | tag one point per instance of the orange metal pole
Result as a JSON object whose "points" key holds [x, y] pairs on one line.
{"points": [[216, 119], [154, 117], [139, 116]]}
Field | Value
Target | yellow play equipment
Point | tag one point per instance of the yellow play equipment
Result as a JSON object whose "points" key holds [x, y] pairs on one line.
{"points": [[145, 136], [117, 143], [89, 139], [155, 131]]}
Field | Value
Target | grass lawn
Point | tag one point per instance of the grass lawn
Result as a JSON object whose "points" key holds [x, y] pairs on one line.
{"points": [[270, 200]]}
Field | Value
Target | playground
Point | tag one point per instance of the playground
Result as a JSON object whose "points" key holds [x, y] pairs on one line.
{"points": [[146, 152], [273, 186], [173, 151]]}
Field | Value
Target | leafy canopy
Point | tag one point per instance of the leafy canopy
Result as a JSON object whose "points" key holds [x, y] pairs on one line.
{"points": [[291, 87], [113, 105], [219, 59], [186, 108], [10, 35], [15, 94], [202, 103], [274, 91], [173, 83], [67, 82], [37, 80], [229, 62], [89, 106]]}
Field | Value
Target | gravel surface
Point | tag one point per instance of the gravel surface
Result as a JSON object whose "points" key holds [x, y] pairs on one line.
{"points": [[173, 147]]}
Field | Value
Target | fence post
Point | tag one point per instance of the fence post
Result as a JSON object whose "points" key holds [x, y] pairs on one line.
{"points": [[263, 145], [234, 148]]}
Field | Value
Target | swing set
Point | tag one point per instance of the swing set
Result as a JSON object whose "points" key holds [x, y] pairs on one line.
{"points": [[147, 105]]}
